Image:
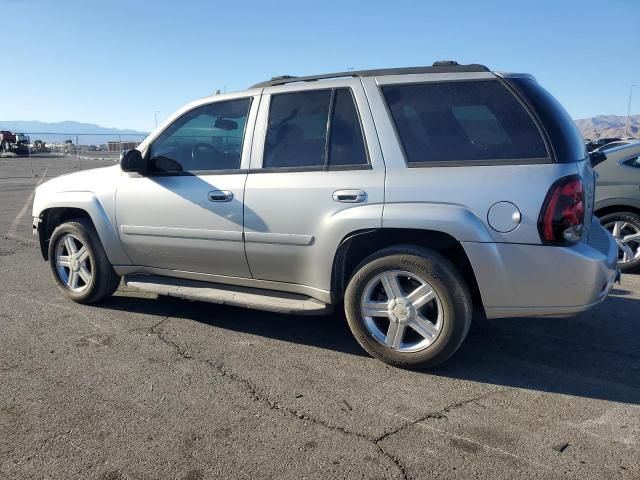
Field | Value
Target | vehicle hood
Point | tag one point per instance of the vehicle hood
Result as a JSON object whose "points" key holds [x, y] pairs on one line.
{"points": [[97, 182], [84, 181]]}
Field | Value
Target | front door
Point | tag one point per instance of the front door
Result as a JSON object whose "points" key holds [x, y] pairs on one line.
{"points": [[186, 214]]}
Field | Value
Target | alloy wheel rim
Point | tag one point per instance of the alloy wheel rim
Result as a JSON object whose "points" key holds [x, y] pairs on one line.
{"points": [[627, 236], [401, 311], [73, 263]]}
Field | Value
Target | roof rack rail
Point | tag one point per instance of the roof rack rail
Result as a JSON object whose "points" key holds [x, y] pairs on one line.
{"points": [[441, 63], [443, 66]]}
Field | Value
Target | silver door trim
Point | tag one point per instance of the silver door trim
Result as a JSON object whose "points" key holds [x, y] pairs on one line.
{"points": [[186, 233], [279, 238]]}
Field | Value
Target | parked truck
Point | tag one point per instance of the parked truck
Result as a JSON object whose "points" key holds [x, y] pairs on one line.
{"points": [[7, 140], [17, 143]]}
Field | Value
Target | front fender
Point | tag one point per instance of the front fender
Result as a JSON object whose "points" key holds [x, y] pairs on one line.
{"points": [[88, 202]]}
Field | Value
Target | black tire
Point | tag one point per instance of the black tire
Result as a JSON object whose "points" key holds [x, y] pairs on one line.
{"points": [[104, 280], [446, 282], [632, 219]]}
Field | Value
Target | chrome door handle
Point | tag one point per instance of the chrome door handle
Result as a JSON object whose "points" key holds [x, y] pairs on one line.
{"points": [[350, 196], [220, 196]]}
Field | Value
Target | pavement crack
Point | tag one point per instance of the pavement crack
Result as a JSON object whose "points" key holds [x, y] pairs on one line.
{"points": [[440, 414], [394, 459], [23, 242], [257, 396], [154, 328], [157, 331]]}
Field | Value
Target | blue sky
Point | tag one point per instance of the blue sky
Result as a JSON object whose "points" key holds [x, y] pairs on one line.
{"points": [[115, 62]]}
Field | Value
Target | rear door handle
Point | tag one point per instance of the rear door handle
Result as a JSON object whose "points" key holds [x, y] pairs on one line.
{"points": [[350, 196], [220, 196]]}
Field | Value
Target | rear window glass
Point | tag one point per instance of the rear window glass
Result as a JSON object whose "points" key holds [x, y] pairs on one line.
{"points": [[566, 140], [462, 121]]}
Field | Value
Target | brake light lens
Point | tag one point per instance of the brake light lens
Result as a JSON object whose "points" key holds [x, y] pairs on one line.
{"points": [[562, 217]]}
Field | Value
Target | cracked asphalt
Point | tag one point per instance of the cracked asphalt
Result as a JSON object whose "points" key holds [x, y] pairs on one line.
{"points": [[141, 387]]}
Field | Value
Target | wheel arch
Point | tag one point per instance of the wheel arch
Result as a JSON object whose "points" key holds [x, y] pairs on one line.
{"points": [[358, 245], [606, 206], [79, 205], [50, 218]]}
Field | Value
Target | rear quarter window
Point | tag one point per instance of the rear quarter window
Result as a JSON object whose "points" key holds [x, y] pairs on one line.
{"points": [[463, 121], [566, 140]]}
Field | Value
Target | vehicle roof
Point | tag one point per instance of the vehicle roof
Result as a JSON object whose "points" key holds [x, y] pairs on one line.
{"points": [[623, 150], [447, 66]]}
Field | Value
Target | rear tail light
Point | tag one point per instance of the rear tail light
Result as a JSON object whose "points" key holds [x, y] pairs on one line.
{"points": [[562, 216]]}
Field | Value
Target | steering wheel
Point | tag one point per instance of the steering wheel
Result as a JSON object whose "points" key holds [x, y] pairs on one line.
{"points": [[203, 149]]}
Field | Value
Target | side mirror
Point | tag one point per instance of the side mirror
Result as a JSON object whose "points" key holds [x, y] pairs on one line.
{"points": [[597, 158], [132, 161]]}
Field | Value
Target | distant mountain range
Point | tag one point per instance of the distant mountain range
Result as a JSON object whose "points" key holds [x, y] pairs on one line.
{"points": [[609, 126], [58, 132], [91, 134]]}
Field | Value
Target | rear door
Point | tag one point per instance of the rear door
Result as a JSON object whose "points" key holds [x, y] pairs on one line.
{"points": [[316, 175]]}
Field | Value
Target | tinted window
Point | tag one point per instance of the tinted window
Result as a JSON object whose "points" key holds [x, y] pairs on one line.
{"points": [[206, 138], [567, 142], [457, 121], [347, 143], [611, 145], [300, 134], [633, 161], [297, 129]]}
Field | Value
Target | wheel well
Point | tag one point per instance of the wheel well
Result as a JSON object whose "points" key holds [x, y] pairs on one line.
{"points": [[616, 208], [50, 219], [359, 245]]}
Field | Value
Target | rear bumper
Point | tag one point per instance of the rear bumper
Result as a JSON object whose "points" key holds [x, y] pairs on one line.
{"points": [[537, 280]]}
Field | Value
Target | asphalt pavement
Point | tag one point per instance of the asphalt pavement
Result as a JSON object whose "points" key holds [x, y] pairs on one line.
{"points": [[141, 387]]}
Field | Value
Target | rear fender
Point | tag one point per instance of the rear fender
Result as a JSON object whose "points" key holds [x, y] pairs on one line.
{"points": [[454, 220]]}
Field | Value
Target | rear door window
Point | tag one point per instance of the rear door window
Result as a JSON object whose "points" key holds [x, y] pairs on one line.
{"points": [[347, 143], [314, 129], [462, 121]]}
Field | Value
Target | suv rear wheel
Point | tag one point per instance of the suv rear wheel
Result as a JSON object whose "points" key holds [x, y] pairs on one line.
{"points": [[408, 306], [79, 263], [625, 228]]}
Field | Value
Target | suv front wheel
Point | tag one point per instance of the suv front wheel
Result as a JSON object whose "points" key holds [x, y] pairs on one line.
{"points": [[79, 263], [408, 306]]}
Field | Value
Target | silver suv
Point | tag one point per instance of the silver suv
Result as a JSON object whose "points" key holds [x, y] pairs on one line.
{"points": [[407, 195]]}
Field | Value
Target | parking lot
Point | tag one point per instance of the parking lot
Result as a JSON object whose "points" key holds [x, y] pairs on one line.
{"points": [[143, 387]]}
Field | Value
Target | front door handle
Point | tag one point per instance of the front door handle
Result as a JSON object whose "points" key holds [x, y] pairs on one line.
{"points": [[350, 196], [220, 196]]}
